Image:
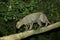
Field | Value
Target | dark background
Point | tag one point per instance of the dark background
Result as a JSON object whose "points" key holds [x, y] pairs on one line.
{"points": [[13, 10]]}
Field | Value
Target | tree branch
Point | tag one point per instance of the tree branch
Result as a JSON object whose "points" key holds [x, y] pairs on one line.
{"points": [[31, 32]]}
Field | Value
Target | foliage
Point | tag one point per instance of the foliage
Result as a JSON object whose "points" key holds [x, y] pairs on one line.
{"points": [[13, 10]]}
